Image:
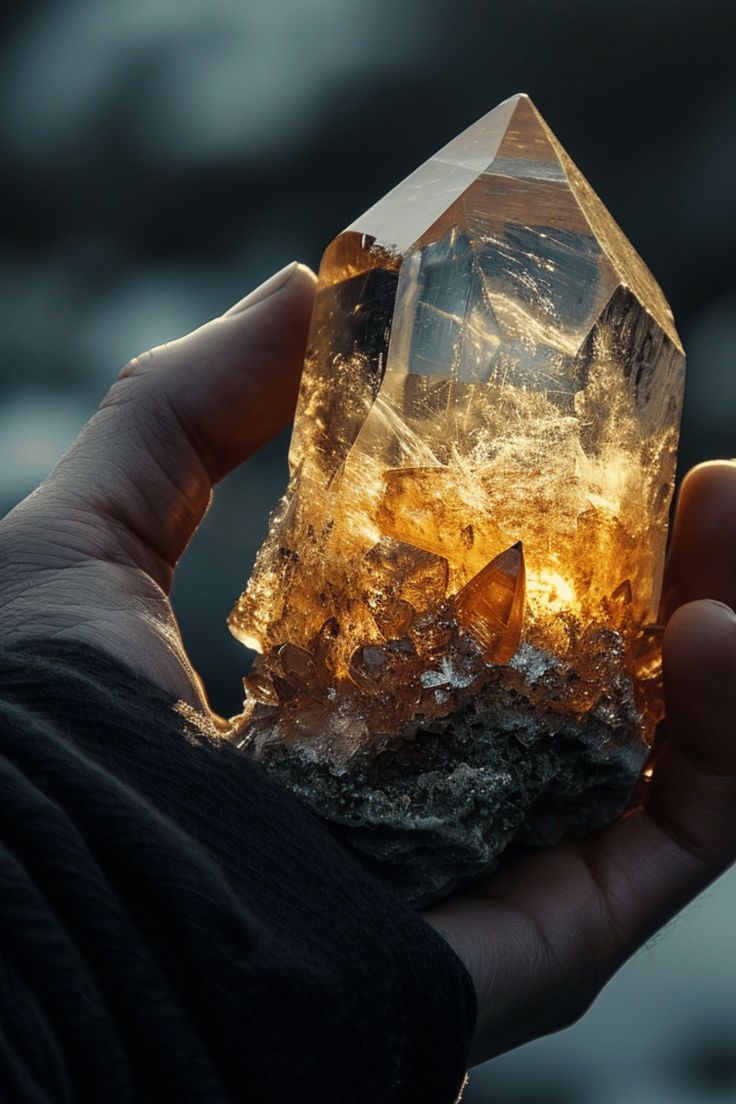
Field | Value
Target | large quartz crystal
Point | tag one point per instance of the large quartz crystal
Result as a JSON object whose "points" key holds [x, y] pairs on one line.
{"points": [[456, 604]]}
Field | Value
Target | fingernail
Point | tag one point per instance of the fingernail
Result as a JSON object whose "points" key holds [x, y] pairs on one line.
{"points": [[272, 284]]}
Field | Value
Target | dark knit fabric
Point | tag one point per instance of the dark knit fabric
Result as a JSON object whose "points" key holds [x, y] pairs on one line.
{"points": [[175, 928]]}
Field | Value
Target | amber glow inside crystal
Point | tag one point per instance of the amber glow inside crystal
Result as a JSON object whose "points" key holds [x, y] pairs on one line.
{"points": [[491, 606], [481, 467]]}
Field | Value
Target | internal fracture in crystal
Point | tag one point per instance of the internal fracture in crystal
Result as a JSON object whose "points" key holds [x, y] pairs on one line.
{"points": [[473, 534]]}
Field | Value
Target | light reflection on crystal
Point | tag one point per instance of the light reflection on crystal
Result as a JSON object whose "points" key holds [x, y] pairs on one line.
{"points": [[489, 363]]}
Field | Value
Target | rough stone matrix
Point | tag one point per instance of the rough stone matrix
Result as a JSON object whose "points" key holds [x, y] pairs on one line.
{"points": [[455, 607]]}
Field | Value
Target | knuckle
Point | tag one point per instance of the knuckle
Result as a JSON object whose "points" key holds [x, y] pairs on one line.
{"points": [[703, 835], [694, 797], [573, 997], [584, 1000], [580, 996], [137, 365]]}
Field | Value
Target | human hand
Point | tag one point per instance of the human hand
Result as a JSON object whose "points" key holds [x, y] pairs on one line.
{"points": [[544, 935], [90, 555]]}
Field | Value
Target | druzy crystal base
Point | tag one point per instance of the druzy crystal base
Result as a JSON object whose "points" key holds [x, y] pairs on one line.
{"points": [[455, 607]]}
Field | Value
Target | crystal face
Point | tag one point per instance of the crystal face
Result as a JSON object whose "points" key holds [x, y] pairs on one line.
{"points": [[481, 469]]}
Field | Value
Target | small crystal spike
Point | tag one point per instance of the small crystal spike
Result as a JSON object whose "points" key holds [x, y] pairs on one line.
{"points": [[491, 605]]}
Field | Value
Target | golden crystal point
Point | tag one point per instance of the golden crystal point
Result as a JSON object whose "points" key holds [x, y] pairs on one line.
{"points": [[489, 363], [512, 143], [491, 606]]}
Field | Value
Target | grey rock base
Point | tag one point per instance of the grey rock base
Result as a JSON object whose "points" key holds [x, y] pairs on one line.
{"points": [[443, 807]]}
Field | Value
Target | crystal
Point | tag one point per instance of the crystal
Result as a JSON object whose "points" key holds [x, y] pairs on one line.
{"points": [[456, 604], [491, 606]]}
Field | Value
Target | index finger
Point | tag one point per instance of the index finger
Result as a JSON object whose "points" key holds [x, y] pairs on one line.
{"points": [[702, 557]]}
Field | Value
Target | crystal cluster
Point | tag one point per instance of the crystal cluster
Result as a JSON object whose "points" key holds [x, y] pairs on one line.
{"points": [[455, 607]]}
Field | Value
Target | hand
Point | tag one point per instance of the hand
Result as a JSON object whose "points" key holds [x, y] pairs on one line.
{"points": [[90, 555], [543, 937]]}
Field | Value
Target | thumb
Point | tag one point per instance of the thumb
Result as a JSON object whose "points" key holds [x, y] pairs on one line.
{"points": [[136, 482]]}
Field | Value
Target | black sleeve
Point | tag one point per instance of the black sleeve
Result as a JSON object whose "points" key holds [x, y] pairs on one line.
{"points": [[174, 927]]}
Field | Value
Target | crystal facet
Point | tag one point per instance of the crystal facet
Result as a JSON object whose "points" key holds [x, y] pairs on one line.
{"points": [[467, 561], [491, 606]]}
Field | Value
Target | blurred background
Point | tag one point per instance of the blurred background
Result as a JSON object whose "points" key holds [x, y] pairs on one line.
{"points": [[158, 158]]}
